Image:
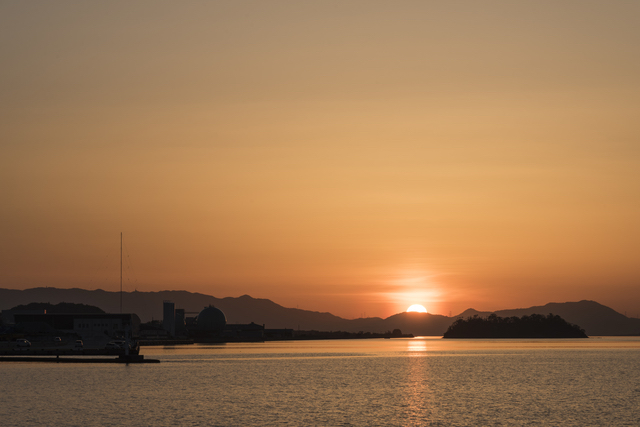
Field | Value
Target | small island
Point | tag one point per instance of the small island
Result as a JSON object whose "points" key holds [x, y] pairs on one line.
{"points": [[533, 326]]}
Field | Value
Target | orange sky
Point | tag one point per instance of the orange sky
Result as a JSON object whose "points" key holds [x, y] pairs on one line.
{"points": [[351, 157]]}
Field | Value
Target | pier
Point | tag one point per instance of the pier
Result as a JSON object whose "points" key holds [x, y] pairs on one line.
{"points": [[49, 359], [67, 355]]}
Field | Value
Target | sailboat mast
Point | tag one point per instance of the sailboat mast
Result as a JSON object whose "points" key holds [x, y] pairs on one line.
{"points": [[121, 272]]}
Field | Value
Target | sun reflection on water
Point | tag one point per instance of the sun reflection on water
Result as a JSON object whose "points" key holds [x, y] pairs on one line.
{"points": [[416, 345], [418, 406]]}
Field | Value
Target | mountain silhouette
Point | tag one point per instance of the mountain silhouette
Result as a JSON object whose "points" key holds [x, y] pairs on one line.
{"points": [[594, 318]]}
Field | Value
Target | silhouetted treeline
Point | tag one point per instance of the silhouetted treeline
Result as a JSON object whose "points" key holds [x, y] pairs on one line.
{"points": [[533, 326], [61, 308]]}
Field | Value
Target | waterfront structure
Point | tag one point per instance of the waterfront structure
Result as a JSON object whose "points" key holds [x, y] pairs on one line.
{"points": [[240, 332], [87, 326], [152, 332], [169, 317], [210, 325], [278, 334], [211, 319], [8, 316], [180, 324]]}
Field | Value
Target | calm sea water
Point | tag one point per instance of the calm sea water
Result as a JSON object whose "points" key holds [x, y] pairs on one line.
{"points": [[404, 382]]}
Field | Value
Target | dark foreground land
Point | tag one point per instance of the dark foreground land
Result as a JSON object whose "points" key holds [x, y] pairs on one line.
{"points": [[533, 326]]}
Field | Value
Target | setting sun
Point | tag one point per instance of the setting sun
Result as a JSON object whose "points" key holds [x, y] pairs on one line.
{"points": [[417, 308]]}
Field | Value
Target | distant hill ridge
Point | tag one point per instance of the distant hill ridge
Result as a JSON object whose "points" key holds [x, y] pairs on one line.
{"points": [[63, 307], [594, 318]]}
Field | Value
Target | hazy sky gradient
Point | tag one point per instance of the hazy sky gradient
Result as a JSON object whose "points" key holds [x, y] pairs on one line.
{"points": [[351, 157]]}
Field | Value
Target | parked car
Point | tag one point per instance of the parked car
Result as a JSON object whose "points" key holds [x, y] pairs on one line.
{"points": [[22, 343], [79, 345]]}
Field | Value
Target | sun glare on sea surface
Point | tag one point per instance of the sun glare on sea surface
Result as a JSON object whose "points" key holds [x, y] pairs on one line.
{"points": [[417, 308]]}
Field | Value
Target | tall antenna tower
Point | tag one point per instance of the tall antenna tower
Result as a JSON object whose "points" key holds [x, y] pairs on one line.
{"points": [[121, 272]]}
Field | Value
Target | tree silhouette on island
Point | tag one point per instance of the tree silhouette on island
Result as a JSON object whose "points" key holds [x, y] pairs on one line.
{"points": [[533, 326]]}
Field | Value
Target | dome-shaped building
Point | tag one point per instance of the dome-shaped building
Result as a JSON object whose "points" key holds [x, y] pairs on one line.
{"points": [[211, 319]]}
